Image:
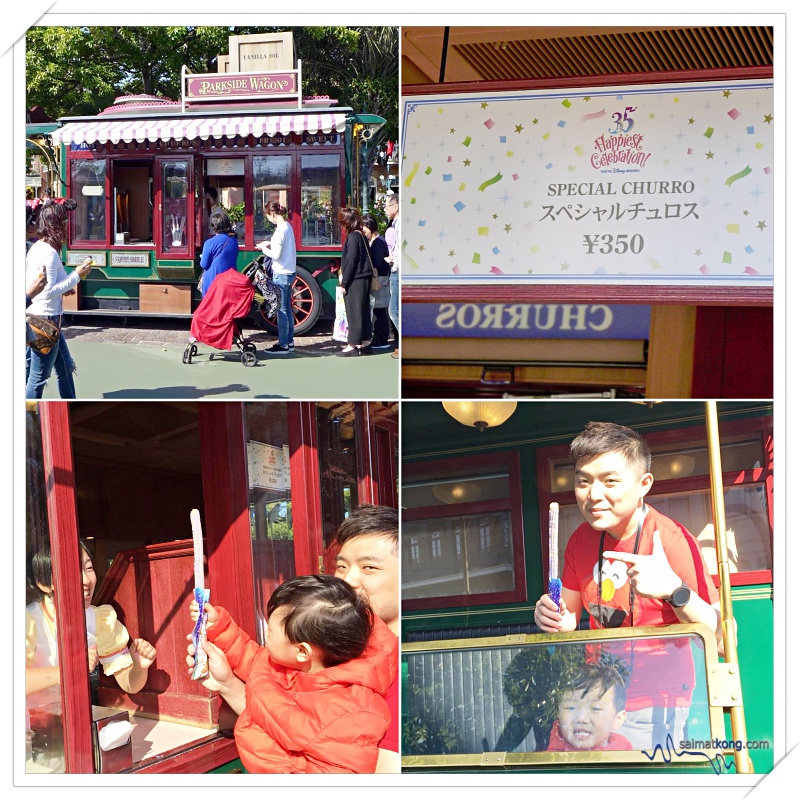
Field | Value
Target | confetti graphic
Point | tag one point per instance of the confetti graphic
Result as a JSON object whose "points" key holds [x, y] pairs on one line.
{"points": [[738, 176], [412, 174], [594, 116], [486, 184]]}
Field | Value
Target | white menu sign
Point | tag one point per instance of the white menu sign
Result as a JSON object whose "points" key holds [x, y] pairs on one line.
{"points": [[268, 466], [656, 184]]}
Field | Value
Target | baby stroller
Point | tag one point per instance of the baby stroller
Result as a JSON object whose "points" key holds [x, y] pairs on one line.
{"points": [[231, 298]]}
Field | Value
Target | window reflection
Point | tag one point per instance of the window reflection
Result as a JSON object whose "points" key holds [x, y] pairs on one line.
{"points": [[272, 180], [270, 498], [320, 177], [89, 190], [175, 204], [465, 699], [337, 429]]}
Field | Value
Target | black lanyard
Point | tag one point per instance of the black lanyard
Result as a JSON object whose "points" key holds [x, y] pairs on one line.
{"points": [[631, 593]]}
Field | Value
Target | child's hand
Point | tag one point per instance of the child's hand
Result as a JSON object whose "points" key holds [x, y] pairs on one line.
{"points": [[142, 653], [93, 657], [212, 613], [219, 670]]}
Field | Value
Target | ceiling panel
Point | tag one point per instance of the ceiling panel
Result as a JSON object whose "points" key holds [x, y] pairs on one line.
{"points": [[496, 54]]}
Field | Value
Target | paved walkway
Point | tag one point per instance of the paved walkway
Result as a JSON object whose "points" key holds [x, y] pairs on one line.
{"points": [[144, 361]]}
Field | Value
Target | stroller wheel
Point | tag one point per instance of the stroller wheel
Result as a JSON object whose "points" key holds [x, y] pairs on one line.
{"points": [[249, 358], [187, 354], [249, 347], [193, 351]]}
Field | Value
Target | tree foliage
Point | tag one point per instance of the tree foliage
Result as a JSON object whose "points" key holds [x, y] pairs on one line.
{"points": [[78, 71]]}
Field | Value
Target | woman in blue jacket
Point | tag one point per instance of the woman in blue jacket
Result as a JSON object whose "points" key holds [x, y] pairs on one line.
{"points": [[220, 251]]}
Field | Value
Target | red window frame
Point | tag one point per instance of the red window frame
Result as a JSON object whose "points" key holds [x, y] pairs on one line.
{"points": [[508, 459], [675, 436]]}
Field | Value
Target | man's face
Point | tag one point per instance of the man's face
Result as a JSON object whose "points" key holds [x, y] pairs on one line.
{"points": [[392, 207], [609, 493], [587, 722], [368, 564]]}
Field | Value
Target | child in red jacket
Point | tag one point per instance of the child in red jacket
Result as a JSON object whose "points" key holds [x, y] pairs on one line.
{"points": [[314, 693]]}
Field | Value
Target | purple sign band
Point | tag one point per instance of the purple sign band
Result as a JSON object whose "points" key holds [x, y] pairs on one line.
{"points": [[526, 321]]}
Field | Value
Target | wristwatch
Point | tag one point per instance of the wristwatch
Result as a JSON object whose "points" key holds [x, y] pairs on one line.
{"points": [[680, 597]]}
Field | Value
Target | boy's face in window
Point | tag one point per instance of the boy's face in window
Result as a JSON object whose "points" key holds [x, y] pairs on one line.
{"points": [[587, 721]]}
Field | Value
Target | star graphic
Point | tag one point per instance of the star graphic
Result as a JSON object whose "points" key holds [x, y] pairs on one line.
{"points": [[494, 216], [535, 121], [564, 267], [726, 93], [530, 271], [508, 229], [698, 252], [746, 213], [467, 163], [691, 120], [518, 129], [709, 155], [451, 254], [586, 99], [761, 224], [768, 118], [484, 105], [452, 130], [421, 247]]}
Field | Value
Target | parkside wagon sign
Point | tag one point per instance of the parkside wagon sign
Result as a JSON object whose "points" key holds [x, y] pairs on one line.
{"points": [[204, 87], [656, 184]]}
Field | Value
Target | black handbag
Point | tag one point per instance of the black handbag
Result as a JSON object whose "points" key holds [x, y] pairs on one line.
{"points": [[46, 332]]}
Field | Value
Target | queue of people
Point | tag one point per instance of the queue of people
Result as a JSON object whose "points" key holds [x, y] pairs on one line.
{"points": [[366, 281]]}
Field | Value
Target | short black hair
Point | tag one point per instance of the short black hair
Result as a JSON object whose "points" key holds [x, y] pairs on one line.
{"points": [[369, 222], [327, 613], [211, 192], [370, 520], [40, 569], [608, 672], [598, 438]]}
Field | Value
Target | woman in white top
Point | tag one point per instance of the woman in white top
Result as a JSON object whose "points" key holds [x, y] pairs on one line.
{"points": [[283, 251], [107, 646], [43, 257]]}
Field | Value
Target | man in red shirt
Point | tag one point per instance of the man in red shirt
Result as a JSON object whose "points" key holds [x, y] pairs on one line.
{"points": [[368, 561], [629, 565]]}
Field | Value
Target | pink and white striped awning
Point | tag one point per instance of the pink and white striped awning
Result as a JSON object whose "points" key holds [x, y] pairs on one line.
{"points": [[150, 130]]}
